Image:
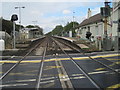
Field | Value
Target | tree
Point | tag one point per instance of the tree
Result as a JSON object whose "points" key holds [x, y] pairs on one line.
{"points": [[69, 27], [30, 26], [7, 26], [57, 30]]}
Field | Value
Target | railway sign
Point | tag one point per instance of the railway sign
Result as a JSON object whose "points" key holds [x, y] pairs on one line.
{"points": [[118, 21], [115, 22]]}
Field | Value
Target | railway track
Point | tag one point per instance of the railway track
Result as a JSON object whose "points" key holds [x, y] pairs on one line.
{"points": [[62, 76], [98, 61], [15, 65]]}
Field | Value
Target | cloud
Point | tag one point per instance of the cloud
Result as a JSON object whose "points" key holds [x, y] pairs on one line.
{"points": [[0, 9], [49, 24], [66, 11], [52, 1], [49, 14], [37, 13], [95, 10]]}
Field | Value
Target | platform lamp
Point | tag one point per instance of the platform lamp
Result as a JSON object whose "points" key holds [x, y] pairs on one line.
{"points": [[19, 8]]}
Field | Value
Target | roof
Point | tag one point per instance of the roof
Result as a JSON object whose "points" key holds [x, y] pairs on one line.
{"points": [[93, 19], [29, 29]]}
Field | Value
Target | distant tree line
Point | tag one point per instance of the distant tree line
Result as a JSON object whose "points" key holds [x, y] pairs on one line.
{"points": [[60, 30]]}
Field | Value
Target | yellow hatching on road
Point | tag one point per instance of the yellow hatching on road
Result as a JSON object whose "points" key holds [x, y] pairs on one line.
{"points": [[113, 64], [53, 59], [113, 87]]}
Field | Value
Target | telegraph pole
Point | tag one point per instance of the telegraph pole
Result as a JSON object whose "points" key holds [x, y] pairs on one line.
{"points": [[73, 19], [34, 22], [71, 32]]}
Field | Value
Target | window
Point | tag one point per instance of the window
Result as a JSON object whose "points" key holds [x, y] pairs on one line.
{"points": [[89, 28]]}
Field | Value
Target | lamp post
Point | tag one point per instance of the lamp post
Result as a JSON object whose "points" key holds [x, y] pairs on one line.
{"points": [[34, 22], [19, 16], [72, 32], [62, 33], [73, 18]]}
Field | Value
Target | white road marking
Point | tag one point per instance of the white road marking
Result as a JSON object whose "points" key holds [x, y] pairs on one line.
{"points": [[13, 56], [98, 72], [79, 77], [29, 80], [13, 85], [51, 84], [64, 78], [48, 78], [50, 81]]}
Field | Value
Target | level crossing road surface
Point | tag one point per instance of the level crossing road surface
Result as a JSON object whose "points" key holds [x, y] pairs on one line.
{"points": [[60, 72], [51, 62]]}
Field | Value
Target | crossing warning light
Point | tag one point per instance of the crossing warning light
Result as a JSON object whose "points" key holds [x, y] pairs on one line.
{"points": [[14, 17], [105, 11]]}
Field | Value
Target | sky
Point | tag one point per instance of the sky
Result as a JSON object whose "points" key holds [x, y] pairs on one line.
{"points": [[49, 13]]}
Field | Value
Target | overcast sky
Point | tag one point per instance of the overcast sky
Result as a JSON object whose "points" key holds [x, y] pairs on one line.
{"points": [[49, 13]]}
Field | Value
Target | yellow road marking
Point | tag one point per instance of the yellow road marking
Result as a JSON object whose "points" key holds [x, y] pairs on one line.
{"points": [[100, 69], [1, 72], [12, 74], [48, 60], [113, 87], [109, 65], [51, 67], [117, 62], [113, 59]]}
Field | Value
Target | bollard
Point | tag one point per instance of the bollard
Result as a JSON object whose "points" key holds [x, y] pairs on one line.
{"points": [[2, 45]]}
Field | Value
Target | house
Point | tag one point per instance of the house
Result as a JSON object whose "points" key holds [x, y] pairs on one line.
{"points": [[95, 25], [115, 25]]}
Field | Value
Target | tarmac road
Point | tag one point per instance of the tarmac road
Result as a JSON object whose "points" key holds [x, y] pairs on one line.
{"points": [[60, 72]]}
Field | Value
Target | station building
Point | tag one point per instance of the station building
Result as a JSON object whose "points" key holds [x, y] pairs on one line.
{"points": [[30, 33]]}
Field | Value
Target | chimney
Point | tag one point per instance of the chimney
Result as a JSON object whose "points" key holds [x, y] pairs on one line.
{"points": [[89, 13]]}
